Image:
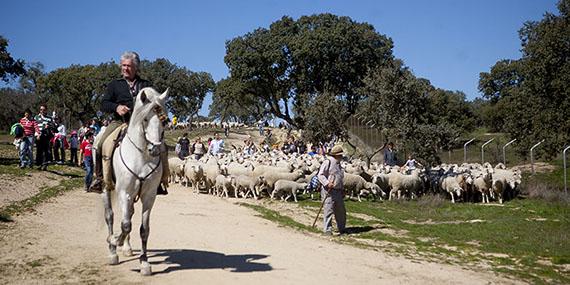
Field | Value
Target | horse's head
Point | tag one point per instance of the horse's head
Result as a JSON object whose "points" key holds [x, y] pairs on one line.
{"points": [[147, 120]]}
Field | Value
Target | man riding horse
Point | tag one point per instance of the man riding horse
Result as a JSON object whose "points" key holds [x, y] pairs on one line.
{"points": [[118, 99]]}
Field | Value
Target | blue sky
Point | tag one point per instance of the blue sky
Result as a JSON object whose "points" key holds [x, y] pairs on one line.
{"points": [[448, 42]]}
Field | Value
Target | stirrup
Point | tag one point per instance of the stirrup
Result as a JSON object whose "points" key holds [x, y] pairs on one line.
{"points": [[161, 191]]}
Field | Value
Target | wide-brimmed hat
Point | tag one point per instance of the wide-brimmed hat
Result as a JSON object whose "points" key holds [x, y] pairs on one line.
{"points": [[336, 150]]}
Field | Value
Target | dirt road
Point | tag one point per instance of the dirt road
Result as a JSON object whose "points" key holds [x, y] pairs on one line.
{"points": [[198, 239]]}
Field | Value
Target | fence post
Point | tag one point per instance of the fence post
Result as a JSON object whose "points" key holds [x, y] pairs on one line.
{"points": [[465, 149], [532, 155], [483, 151], [565, 179], [504, 157]]}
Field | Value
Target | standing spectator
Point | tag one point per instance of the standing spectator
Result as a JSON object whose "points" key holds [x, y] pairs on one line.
{"points": [[312, 150], [216, 145], [390, 155], [331, 177], [198, 148], [104, 126], [73, 147], [82, 131], [87, 156], [174, 122], [227, 130], [260, 126], [27, 141], [60, 141], [43, 137], [410, 164], [268, 136], [184, 144], [94, 126], [249, 148]]}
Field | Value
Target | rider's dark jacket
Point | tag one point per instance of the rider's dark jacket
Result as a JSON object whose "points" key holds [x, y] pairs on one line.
{"points": [[118, 93]]}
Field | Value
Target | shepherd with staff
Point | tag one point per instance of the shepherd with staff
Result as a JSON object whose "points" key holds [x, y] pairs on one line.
{"points": [[331, 178]]}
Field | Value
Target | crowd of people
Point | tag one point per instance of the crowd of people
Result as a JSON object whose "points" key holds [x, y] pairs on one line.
{"points": [[48, 135]]}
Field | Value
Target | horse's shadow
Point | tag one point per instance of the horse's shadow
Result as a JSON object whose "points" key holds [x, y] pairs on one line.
{"points": [[187, 259]]}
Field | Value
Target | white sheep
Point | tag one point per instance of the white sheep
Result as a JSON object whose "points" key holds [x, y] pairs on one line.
{"points": [[225, 184], [288, 187], [451, 184], [248, 184], [176, 167], [272, 177], [355, 185], [409, 183], [193, 173], [482, 183]]}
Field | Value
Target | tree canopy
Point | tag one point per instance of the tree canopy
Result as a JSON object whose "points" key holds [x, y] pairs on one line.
{"points": [[532, 94], [76, 91], [399, 103], [9, 67], [292, 62]]}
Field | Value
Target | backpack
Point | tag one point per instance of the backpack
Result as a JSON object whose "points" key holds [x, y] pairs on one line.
{"points": [[315, 184], [17, 130]]}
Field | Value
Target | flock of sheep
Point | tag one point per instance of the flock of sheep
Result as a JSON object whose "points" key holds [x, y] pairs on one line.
{"points": [[279, 175]]}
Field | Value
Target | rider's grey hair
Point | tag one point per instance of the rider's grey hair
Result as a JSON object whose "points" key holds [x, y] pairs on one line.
{"points": [[132, 56]]}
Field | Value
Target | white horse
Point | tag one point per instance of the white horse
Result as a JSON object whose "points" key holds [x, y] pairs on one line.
{"points": [[136, 164]]}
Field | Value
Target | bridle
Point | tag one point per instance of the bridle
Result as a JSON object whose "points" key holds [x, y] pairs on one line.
{"points": [[157, 111]]}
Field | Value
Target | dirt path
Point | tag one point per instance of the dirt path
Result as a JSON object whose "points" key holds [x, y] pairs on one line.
{"points": [[198, 239]]}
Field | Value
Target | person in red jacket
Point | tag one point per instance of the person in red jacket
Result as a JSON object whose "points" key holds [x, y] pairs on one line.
{"points": [[27, 141], [86, 149]]}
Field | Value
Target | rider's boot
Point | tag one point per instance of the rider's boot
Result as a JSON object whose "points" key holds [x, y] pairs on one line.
{"points": [[97, 184], [162, 187]]}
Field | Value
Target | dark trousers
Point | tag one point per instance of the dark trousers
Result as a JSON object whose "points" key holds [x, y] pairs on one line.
{"points": [[43, 153], [59, 151], [73, 154], [88, 163]]}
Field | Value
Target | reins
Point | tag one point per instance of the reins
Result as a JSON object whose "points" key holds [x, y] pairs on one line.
{"points": [[140, 179]]}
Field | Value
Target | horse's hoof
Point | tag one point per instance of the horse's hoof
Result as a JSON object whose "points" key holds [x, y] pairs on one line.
{"points": [[128, 252], [146, 270], [113, 259]]}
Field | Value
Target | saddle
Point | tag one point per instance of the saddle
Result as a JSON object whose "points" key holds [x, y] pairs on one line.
{"points": [[111, 143]]}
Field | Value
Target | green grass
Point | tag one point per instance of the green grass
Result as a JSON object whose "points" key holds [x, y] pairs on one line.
{"points": [[534, 234], [275, 216], [74, 181]]}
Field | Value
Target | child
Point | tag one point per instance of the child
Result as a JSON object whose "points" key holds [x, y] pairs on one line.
{"points": [[410, 165], [74, 145], [86, 154]]}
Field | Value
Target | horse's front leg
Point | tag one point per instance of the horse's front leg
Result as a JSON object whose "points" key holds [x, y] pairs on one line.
{"points": [[127, 207], [145, 232], [113, 257]]}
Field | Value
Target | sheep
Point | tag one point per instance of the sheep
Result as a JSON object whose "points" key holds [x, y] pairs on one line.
{"points": [[355, 184], [451, 184], [248, 184], [410, 183], [176, 167], [237, 169], [288, 187], [212, 169], [483, 183], [225, 184], [272, 177], [505, 183], [193, 173]]}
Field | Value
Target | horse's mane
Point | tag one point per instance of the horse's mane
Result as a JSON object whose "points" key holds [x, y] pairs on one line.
{"points": [[140, 110]]}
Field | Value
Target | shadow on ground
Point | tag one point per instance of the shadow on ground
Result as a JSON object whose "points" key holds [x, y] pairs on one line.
{"points": [[358, 230], [187, 259]]}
